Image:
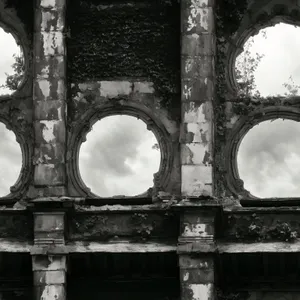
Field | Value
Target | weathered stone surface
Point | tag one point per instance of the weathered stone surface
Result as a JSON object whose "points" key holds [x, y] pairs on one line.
{"points": [[16, 225], [140, 226], [196, 180], [261, 227], [49, 228]]}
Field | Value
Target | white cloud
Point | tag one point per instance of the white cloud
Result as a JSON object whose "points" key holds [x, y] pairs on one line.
{"points": [[269, 161], [117, 158]]}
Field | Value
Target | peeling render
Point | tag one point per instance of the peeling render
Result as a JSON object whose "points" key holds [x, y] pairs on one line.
{"points": [[197, 96], [48, 130], [50, 87], [202, 291]]}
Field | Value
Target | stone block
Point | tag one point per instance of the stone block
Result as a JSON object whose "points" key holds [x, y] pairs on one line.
{"points": [[195, 112], [197, 275], [50, 292], [49, 43], [143, 87], [197, 291], [49, 277], [49, 89], [50, 67], [50, 131], [111, 89], [49, 174], [49, 262], [197, 17], [50, 19], [49, 153], [196, 180], [197, 66], [49, 110], [196, 154], [196, 133], [52, 4], [197, 90], [198, 44]]}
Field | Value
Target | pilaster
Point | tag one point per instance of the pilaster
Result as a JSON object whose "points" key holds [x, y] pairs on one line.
{"points": [[197, 86], [49, 96], [196, 247]]}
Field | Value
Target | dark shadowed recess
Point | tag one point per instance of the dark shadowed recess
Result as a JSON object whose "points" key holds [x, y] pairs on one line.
{"points": [[109, 40], [259, 271], [16, 279], [124, 276], [25, 12]]}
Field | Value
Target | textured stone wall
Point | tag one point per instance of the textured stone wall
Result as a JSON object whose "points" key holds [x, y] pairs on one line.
{"points": [[49, 97], [127, 39], [197, 88]]}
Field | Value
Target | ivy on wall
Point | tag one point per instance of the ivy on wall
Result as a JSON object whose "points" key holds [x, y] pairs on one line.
{"points": [[123, 40]]}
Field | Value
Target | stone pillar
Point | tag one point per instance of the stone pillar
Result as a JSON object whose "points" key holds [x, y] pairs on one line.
{"points": [[49, 277], [197, 277], [49, 257], [197, 85], [49, 96], [196, 247]]}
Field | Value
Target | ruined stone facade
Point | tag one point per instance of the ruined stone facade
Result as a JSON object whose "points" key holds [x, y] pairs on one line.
{"points": [[196, 234]]}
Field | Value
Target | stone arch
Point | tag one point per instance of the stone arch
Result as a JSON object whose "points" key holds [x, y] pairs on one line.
{"points": [[123, 107], [240, 129], [259, 16]]}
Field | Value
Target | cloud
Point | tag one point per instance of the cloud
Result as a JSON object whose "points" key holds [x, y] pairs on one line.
{"points": [[269, 161], [10, 160], [117, 158]]}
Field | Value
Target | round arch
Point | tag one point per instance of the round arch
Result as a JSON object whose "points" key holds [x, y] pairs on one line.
{"points": [[250, 27], [241, 128], [78, 135]]}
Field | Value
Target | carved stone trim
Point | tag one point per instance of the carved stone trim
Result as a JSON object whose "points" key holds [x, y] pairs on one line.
{"points": [[243, 125], [120, 106]]}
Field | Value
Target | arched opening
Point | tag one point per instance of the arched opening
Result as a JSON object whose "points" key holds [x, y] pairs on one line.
{"points": [[268, 159], [269, 64], [10, 160], [12, 64], [119, 157]]}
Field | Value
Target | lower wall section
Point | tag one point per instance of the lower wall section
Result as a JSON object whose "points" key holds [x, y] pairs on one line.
{"points": [[274, 296], [137, 290], [123, 277], [16, 280]]}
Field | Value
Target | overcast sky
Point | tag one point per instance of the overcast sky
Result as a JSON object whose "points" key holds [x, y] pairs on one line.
{"points": [[269, 157], [8, 48], [118, 159]]}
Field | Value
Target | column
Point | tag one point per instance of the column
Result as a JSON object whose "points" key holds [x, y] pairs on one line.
{"points": [[197, 85], [196, 247], [197, 277], [49, 258], [49, 277], [49, 96]]}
